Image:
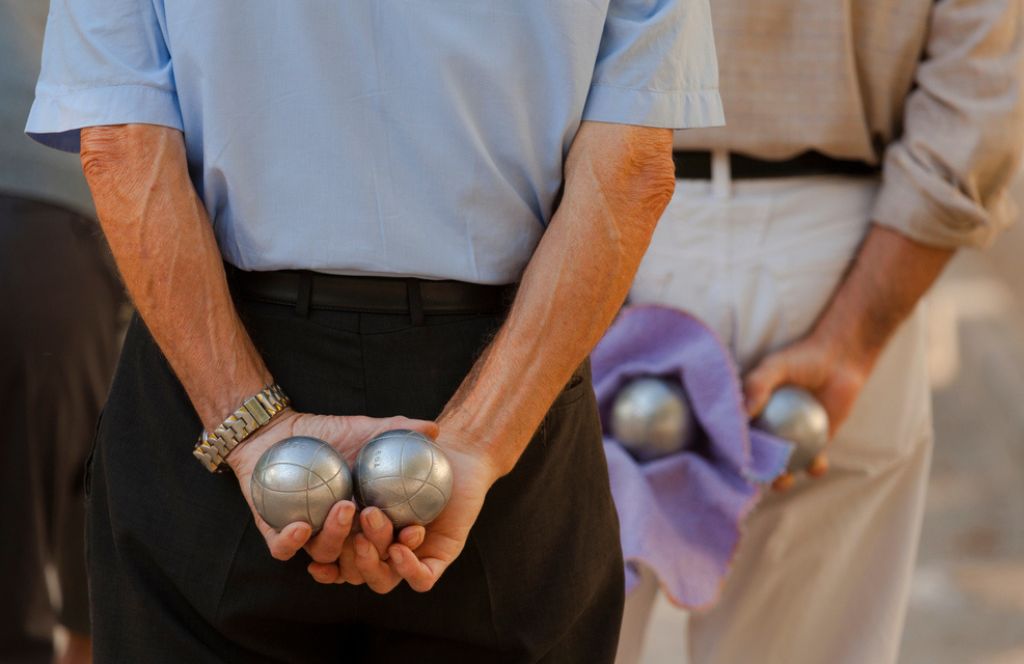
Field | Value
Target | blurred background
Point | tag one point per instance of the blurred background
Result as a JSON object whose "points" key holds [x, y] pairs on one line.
{"points": [[967, 602]]}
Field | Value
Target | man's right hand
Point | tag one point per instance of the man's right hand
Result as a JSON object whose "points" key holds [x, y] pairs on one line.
{"points": [[887, 279], [347, 434]]}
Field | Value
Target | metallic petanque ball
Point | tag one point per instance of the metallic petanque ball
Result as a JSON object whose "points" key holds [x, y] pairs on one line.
{"points": [[404, 474], [299, 479], [795, 415], [651, 418]]}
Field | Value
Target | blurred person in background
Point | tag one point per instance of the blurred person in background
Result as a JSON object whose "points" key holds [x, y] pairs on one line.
{"points": [[58, 339], [867, 141]]}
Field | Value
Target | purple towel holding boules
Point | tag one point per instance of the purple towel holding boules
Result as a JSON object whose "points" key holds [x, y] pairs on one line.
{"points": [[680, 515]]}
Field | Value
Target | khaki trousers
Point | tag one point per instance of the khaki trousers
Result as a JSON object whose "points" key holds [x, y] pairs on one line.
{"points": [[823, 572]]}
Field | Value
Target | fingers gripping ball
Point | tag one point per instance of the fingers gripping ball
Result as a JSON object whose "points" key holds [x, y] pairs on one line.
{"points": [[299, 479], [795, 415], [651, 418], [404, 474]]}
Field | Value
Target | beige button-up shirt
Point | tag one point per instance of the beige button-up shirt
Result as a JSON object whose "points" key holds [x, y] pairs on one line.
{"points": [[929, 89]]}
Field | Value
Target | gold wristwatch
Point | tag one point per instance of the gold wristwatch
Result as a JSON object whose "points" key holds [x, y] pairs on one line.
{"points": [[213, 447]]}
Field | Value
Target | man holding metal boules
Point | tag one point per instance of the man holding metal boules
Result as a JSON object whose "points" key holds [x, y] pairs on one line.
{"points": [[333, 217], [867, 141]]}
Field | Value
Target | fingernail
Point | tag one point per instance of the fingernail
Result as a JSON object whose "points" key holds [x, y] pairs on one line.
{"points": [[376, 519], [297, 535], [396, 555], [343, 516]]}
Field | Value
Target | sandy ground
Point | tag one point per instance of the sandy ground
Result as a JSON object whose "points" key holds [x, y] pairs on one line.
{"points": [[967, 603]]}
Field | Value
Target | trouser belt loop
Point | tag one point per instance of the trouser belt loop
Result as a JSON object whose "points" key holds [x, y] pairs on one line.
{"points": [[305, 294], [721, 174], [412, 287]]}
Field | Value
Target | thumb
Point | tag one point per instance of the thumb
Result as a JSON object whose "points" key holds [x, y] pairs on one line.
{"points": [[762, 380]]}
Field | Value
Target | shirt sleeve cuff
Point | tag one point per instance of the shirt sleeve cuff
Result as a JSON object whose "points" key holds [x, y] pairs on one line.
{"points": [[652, 108], [56, 119], [934, 212]]}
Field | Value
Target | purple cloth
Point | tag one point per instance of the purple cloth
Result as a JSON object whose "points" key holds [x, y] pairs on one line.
{"points": [[680, 515]]}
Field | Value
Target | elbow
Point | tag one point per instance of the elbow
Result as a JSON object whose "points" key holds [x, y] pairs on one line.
{"points": [[103, 151], [652, 175], [112, 154], [657, 183]]}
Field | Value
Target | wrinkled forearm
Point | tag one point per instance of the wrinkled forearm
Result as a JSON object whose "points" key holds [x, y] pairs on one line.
{"points": [[618, 181], [888, 277], [164, 246]]}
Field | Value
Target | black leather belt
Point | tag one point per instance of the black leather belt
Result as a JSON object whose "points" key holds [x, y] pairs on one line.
{"points": [[696, 165], [384, 295]]}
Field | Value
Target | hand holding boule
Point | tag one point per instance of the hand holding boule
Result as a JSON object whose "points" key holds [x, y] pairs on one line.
{"points": [[823, 366], [420, 555], [473, 474], [346, 434]]}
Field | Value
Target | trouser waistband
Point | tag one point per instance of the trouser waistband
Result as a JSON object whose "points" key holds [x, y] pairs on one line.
{"points": [[380, 295]]}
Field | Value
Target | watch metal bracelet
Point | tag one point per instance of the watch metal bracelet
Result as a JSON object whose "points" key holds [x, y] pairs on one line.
{"points": [[213, 447]]}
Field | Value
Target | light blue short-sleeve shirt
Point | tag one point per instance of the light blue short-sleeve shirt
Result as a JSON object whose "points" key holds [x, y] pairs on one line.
{"points": [[390, 137]]}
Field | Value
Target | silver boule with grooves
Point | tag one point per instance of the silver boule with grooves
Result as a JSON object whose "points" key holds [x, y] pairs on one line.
{"points": [[299, 479], [406, 475]]}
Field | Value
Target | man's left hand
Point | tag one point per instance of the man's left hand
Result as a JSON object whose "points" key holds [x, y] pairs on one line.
{"points": [[420, 555]]}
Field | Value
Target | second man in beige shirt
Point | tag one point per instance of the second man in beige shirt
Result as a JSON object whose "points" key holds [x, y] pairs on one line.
{"points": [[866, 142]]}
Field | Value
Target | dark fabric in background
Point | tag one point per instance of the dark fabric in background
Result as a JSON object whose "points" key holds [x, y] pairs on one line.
{"points": [[181, 574], [58, 342]]}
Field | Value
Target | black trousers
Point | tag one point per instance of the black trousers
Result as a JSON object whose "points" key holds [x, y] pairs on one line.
{"points": [[180, 574], [58, 344]]}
